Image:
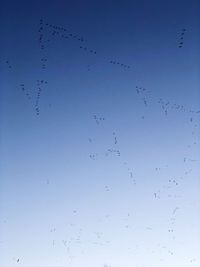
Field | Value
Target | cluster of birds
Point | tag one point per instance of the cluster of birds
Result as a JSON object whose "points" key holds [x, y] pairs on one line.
{"points": [[141, 91], [39, 87], [169, 189], [63, 33], [181, 38], [98, 120], [25, 90], [44, 62], [97, 237], [88, 50], [108, 151], [115, 138], [132, 177], [7, 63], [172, 223], [40, 83], [55, 33], [41, 35], [107, 188], [93, 156], [189, 160], [120, 64], [112, 151], [171, 182], [68, 242], [75, 238], [166, 106]]}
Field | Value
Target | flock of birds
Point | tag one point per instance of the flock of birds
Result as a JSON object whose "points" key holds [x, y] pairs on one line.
{"points": [[145, 95], [181, 38], [114, 150], [44, 63], [64, 33], [39, 87], [6, 63], [60, 32], [26, 91], [29, 96]]}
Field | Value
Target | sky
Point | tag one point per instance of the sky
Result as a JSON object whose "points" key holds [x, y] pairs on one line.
{"points": [[99, 133]]}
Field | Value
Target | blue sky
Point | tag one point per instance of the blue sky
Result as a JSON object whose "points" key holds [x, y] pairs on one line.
{"points": [[99, 156]]}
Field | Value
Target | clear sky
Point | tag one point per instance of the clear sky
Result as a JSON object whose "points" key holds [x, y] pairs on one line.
{"points": [[99, 143]]}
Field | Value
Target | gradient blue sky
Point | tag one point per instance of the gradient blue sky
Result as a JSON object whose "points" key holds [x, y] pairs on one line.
{"points": [[107, 174]]}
